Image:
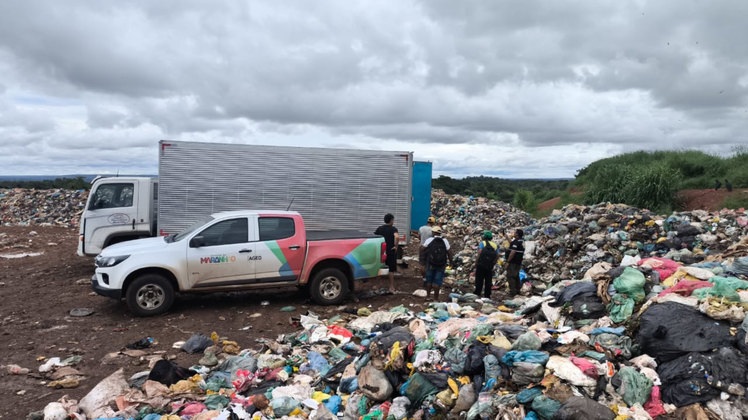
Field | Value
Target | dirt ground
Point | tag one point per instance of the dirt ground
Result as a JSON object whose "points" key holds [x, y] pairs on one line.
{"points": [[38, 292]]}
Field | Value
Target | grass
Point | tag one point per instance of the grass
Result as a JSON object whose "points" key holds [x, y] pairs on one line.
{"points": [[735, 201], [652, 179]]}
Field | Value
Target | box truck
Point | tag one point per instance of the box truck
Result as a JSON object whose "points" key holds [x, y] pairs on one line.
{"points": [[332, 189]]}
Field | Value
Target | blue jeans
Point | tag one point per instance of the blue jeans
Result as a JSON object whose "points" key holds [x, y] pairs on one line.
{"points": [[435, 277]]}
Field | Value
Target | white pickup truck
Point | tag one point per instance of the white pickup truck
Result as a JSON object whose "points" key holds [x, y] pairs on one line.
{"points": [[235, 251]]}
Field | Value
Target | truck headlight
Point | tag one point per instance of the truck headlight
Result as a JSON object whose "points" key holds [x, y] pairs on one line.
{"points": [[110, 261]]}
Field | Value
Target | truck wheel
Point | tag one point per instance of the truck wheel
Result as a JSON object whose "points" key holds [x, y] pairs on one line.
{"points": [[329, 287], [149, 295]]}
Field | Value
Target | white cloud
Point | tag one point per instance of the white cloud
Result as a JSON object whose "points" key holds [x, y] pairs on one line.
{"points": [[537, 89]]}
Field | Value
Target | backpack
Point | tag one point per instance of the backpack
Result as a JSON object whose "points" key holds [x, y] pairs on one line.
{"points": [[487, 257], [437, 253]]}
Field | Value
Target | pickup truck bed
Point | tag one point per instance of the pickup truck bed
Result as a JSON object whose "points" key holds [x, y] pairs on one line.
{"points": [[330, 235]]}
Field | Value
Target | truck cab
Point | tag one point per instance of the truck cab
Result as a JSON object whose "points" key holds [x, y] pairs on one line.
{"points": [[234, 251], [118, 210]]}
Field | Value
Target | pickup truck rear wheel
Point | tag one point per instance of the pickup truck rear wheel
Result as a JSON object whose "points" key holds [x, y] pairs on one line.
{"points": [[329, 287], [149, 295]]}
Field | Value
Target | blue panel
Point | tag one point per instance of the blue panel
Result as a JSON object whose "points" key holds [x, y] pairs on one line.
{"points": [[421, 205]]}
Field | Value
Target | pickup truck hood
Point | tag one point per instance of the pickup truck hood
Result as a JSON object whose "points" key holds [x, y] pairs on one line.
{"points": [[135, 247]]}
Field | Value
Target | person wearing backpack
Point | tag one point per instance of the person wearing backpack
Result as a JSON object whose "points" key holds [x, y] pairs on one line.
{"points": [[438, 255], [488, 256]]}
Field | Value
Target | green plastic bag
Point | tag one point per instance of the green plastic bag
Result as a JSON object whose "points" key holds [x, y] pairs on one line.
{"points": [[621, 308], [545, 407], [479, 330], [400, 309], [724, 287], [631, 283], [527, 341], [217, 402], [418, 388], [635, 388]]}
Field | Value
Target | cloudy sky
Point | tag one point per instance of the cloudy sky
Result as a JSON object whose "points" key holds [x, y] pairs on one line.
{"points": [[513, 89]]}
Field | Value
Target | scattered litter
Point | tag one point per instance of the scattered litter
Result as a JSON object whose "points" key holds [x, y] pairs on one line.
{"points": [[81, 312]]}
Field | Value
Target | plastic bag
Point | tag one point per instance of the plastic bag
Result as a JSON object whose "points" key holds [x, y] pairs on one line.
{"points": [[456, 359], [417, 389], [670, 330], [635, 388], [527, 373], [631, 283], [97, 402], [724, 287], [528, 394], [492, 367], [621, 308], [566, 370], [197, 344], [527, 341], [465, 399], [529, 356], [581, 408], [400, 407], [587, 367], [545, 406], [374, 384], [284, 406]]}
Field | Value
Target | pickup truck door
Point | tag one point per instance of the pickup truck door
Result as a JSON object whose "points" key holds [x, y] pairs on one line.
{"points": [[225, 258], [112, 209], [280, 250]]}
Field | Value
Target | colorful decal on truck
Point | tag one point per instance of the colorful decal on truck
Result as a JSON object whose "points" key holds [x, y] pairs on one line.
{"points": [[285, 267], [361, 268], [218, 259]]}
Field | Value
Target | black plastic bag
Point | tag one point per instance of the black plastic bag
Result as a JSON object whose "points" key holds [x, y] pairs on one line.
{"points": [[670, 330], [386, 340], [169, 373], [197, 344], [581, 408], [141, 344], [572, 292], [474, 361], [588, 308], [697, 378]]}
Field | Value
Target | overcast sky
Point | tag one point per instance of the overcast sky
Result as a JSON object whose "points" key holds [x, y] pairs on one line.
{"points": [[513, 89]]}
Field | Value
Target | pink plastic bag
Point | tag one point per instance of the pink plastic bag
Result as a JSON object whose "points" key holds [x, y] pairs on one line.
{"points": [[653, 406], [686, 287], [585, 366]]}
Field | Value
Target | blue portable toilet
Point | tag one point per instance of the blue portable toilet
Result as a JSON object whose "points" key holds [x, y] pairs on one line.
{"points": [[420, 209]]}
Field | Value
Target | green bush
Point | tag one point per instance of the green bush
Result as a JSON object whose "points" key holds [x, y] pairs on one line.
{"points": [[525, 200], [653, 187]]}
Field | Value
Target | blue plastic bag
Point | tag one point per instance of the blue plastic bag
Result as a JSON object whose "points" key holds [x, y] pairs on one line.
{"points": [[529, 356]]}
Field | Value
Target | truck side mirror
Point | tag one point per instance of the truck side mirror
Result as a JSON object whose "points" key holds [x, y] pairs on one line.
{"points": [[197, 242]]}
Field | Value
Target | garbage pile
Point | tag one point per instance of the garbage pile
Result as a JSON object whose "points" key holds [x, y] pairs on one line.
{"points": [[464, 219], [568, 243], [652, 340], [23, 207]]}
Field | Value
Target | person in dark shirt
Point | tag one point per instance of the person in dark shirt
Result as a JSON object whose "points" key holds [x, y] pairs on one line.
{"points": [[391, 236], [717, 184], [728, 185], [513, 258]]}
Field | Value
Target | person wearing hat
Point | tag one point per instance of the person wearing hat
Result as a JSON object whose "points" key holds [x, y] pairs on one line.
{"points": [[425, 233], [488, 256], [438, 254]]}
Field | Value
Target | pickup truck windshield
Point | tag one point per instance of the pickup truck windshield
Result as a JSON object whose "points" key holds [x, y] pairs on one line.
{"points": [[197, 225]]}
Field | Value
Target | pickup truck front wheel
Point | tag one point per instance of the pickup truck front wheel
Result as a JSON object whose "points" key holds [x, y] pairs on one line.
{"points": [[149, 295], [329, 287]]}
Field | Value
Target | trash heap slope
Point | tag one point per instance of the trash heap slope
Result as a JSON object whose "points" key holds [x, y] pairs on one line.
{"points": [[635, 316], [23, 207]]}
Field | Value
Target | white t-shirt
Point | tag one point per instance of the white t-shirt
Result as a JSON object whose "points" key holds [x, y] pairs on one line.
{"points": [[425, 233], [428, 241]]}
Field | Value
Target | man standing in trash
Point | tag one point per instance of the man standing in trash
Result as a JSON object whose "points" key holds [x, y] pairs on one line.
{"points": [[513, 259], [425, 233], [485, 262], [437, 249], [391, 236]]}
